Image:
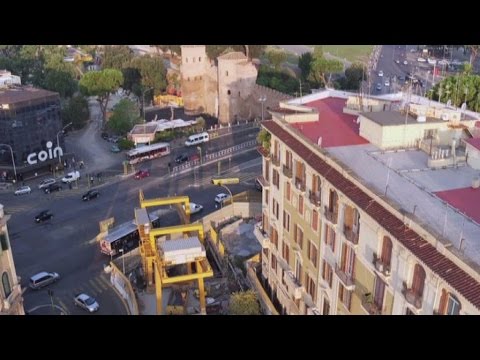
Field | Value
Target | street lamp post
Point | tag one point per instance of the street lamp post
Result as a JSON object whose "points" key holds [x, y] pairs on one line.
{"points": [[58, 140], [200, 151], [123, 261], [143, 101], [13, 162], [262, 99]]}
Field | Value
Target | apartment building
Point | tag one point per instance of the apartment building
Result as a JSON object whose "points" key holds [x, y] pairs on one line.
{"points": [[369, 207], [11, 300]]}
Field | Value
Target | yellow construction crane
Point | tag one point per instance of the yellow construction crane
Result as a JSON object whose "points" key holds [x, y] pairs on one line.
{"points": [[154, 259]]}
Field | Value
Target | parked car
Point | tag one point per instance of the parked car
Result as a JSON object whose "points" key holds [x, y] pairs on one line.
{"points": [[220, 199], [181, 159], [397, 61], [52, 188], [86, 302], [195, 208], [105, 136], [380, 73], [91, 194], [387, 82], [405, 62], [71, 177], [115, 149], [140, 174], [46, 183], [420, 59], [43, 216], [23, 190], [379, 87], [42, 279]]}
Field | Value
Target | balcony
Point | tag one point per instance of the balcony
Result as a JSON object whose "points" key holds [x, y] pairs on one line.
{"points": [[300, 184], [381, 266], [275, 160], [12, 298], [264, 183], [287, 171], [261, 236], [264, 152], [294, 288], [350, 234], [347, 279], [412, 297], [369, 305], [314, 198], [331, 215]]}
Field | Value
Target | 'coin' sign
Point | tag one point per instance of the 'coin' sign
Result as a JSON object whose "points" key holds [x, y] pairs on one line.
{"points": [[44, 155]]}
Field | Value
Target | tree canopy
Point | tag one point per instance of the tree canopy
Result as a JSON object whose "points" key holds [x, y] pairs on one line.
{"points": [[116, 56], [276, 57], [75, 111], [125, 116], [458, 89], [321, 67], [244, 303]]}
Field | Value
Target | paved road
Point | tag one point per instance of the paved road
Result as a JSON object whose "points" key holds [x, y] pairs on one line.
{"points": [[63, 244]]}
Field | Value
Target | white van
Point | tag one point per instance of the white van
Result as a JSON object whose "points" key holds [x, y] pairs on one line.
{"points": [[197, 139], [43, 279]]}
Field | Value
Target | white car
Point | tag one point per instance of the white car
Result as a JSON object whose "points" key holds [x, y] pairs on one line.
{"points": [[86, 302], [397, 61], [420, 59], [46, 183], [194, 208], [23, 190], [387, 83], [220, 198], [405, 62], [380, 73], [72, 176]]}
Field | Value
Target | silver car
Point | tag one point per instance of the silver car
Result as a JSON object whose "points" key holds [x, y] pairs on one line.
{"points": [[46, 183], [23, 190], [86, 302]]}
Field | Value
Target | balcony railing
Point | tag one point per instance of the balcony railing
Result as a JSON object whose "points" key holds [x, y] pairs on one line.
{"points": [[314, 198], [275, 160], [347, 279], [294, 287], [381, 266], [265, 153], [287, 171], [331, 215], [369, 305], [350, 235], [412, 297], [300, 184], [261, 236]]}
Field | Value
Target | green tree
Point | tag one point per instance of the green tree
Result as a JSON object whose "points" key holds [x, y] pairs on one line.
{"points": [[131, 79], [459, 89], [200, 125], [474, 50], [263, 138], [321, 67], [61, 82], [244, 303], [153, 73], [116, 56], [276, 57], [354, 76], [125, 116], [101, 84], [305, 64], [75, 111]]}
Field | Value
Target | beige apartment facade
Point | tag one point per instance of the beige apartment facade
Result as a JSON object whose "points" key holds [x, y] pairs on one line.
{"points": [[331, 246], [11, 300]]}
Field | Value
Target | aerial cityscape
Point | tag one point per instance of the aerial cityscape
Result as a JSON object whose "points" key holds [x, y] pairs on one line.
{"points": [[239, 179]]}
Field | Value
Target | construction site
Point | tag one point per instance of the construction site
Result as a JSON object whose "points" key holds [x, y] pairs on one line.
{"points": [[189, 268]]}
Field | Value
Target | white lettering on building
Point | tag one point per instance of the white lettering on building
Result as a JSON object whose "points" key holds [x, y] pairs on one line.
{"points": [[44, 155]]}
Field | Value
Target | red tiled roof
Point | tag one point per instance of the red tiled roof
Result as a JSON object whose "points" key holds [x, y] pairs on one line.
{"points": [[464, 199], [334, 126], [475, 142], [422, 249]]}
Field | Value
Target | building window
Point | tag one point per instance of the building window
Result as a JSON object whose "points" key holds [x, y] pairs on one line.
{"points": [[449, 304], [379, 292], [228, 92], [418, 283], [315, 220], [348, 260], [267, 171], [226, 74], [330, 237], [266, 197], [274, 237], [276, 178], [288, 191], [199, 59], [239, 94], [311, 287], [312, 253], [327, 273], [285, 251], [298, 271], [6, 285], [300, 204], [345, 296], [186, 59], [274, 263], [286, 221], [3, 242], [298, 235], [326, 307], [386, 252], [275, 208]]}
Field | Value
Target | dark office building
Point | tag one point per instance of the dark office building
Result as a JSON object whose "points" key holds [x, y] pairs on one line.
{"points": [[29, 123]]}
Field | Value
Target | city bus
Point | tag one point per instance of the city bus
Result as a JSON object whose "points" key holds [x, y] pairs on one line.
{"points": [[124, 236], [148, 152]]}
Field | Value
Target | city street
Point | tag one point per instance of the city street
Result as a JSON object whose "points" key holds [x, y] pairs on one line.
{"points": [[63, 244]]}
